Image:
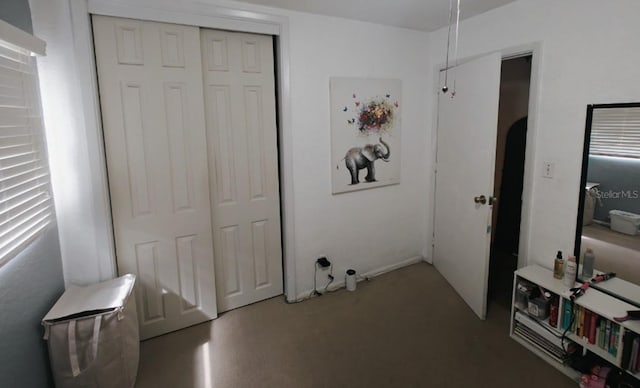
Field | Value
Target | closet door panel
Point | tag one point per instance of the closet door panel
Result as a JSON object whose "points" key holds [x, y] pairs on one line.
{"points": [[151, 94], [242, 141]]}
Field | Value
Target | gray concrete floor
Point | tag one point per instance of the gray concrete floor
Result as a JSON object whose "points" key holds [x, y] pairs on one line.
{"points": [[407, 328]]}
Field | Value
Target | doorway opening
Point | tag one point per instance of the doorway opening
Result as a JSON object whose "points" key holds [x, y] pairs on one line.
{"points": [[515, 82]]}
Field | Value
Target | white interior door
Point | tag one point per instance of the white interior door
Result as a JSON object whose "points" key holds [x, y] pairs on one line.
{"points": [[467, 126], [242, 138], [150, 79]]}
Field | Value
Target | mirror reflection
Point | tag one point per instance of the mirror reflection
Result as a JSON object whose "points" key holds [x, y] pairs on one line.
{"points": [[609, 220]]}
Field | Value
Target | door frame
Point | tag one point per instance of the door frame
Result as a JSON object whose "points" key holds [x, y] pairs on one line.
{"points": [[535, 50], [235, 18]]}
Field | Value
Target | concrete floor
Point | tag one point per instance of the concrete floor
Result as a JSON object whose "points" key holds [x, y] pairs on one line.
{"points": [[407, 328]]}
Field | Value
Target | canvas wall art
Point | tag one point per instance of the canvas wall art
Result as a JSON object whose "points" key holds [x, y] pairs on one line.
{"points": [[365, 133]]}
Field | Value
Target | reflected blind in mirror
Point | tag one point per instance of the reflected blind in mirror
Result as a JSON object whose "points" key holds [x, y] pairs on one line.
{"points": [[616, 132]]}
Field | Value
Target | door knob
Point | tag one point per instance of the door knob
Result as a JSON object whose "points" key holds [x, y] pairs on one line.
{"points": [[493, 200], [481, 199]]}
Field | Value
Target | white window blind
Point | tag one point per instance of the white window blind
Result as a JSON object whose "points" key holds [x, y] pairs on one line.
{"points": [[616, 132], [25, 200]]}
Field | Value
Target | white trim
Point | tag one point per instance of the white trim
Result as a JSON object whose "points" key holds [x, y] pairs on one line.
{"points": [[88, 80], [287, 199], [201, 15], [527, 212], [197, 14], [19, 38], [535, 50]]}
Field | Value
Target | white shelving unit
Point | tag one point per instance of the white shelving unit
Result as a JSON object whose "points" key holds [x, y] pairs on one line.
{"points": [[604, 305]]}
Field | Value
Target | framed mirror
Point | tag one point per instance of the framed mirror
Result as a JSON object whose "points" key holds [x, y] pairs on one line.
{"points": [[609, 199]]}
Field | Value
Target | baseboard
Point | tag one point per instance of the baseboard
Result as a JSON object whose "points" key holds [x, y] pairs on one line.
{"points": [[388, 268], [304, 295]]}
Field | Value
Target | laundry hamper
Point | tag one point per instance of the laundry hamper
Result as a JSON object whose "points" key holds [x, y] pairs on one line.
{"points": [[92, 335]]}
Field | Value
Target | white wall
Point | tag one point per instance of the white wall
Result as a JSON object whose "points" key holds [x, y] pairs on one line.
{"points": [[75, 170], [589, 55], [366, 230], [30, 284], [370, 229]]}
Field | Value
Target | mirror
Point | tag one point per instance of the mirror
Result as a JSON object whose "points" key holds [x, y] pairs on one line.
{"points": [[609, 198]]}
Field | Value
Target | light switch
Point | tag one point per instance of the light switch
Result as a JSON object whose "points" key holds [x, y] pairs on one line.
{"points": [[547, 171]]}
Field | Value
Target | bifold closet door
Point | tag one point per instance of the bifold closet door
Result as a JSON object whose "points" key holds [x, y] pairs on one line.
{"points": [[243, 172], [150, 80]]}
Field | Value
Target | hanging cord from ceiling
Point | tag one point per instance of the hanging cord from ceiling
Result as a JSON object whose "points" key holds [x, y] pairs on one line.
{"points": [[453, 93], [445, 88]]}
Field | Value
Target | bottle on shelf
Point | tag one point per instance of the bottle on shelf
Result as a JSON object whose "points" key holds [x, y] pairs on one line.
{"points": [[587, 264], [553, 311], [558, 266], [570, 272]]}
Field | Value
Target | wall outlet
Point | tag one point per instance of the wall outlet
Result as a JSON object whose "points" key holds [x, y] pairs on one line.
{"points": [[323, 262], [548, 170]]}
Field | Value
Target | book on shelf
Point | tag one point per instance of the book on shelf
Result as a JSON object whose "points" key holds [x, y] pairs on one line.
{"points": [[607, 335], [586, 324], [636, 367], [567, 314], [602, 333], [630, 351], [593, 327], [634, 355], [615, 340], [627, 343]]}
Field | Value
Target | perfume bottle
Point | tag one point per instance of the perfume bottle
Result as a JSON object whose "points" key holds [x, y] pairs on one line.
{"points": [[558, 266]]}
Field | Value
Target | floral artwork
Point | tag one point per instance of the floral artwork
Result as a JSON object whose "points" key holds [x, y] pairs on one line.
{"points": [[365, 133], [375, 115]]}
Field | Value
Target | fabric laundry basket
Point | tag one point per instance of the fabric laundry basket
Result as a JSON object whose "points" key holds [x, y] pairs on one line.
{"points": [[92, 335]]}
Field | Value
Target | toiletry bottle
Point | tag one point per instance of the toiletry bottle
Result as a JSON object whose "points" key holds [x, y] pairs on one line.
{"points": [[570, 272], [553, 311], [558, 266], [587, 264]]}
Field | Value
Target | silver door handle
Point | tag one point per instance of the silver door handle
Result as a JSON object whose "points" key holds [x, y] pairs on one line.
{"points": [[481, 199]]}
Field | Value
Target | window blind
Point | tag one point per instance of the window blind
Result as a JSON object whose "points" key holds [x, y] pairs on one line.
{"points": [[616, 132], [25, 200]]}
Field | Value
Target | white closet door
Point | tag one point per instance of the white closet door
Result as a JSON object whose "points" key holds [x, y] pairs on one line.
{"points": [[242, 138], [150, 80]]}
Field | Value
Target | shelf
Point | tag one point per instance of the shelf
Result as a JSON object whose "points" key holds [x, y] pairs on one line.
{"points": [[593, 348], [569, 372], [604, 305], [636, 375], [544, 322], [542, 277]]}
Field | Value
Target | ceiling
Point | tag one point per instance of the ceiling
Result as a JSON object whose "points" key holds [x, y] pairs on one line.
{"points": [[425, 15]]}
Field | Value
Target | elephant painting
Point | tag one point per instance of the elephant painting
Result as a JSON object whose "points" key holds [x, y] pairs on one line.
{"points": [[359, 158]]}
